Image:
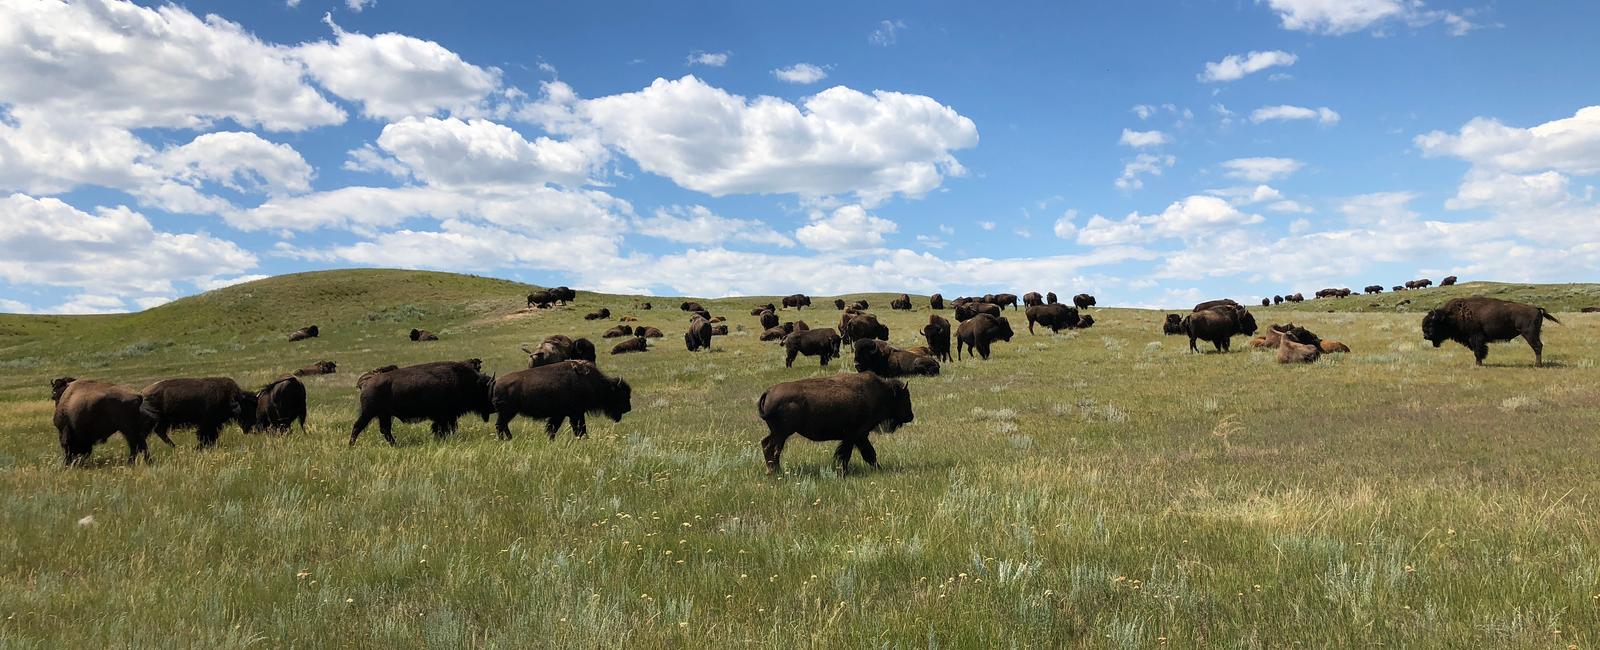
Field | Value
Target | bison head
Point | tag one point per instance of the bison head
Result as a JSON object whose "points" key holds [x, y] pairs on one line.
{"points": [[1247, 323], [244, 408], [1003, 329], [1436, 327], [59, 386], [899, 407], [619, 400]]}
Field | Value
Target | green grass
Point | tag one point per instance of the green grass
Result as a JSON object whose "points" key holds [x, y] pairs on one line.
{"points": [[1099, 488]]}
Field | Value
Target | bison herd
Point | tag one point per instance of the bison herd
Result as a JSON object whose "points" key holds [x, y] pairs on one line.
{"points": [[563, 383]]}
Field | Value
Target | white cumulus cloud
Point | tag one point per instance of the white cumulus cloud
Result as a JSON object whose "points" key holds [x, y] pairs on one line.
{"points": [[1261, 170], [801, 73], [1235, 66]]}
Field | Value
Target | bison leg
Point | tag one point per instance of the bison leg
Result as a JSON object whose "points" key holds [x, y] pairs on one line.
{"points": [[1538, 349], [1192, 347], [502, 423], [868, 454], [788, 361], [207, 435], [772, 449], [1480, 349], [355, 432], [442, 428], [580, 425], [841, 456], [983, 350], [552, 425], [826, 358], [161, 432], [1030, 326], [77, 454]]}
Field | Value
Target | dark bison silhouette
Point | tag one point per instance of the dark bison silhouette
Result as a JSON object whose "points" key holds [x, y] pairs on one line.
{"points": [[937, 334], [206, 403], [568, 390], [281, 403], [1083, 301], [979, 332], [846, 407], [1475, 322], [439, 392], [304, 333], [812, 343], [1218, 325]]}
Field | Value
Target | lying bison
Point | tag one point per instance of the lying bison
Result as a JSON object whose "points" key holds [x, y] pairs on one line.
{"points": [[756, 311], [635, 344], [903, 303], [88, 412], [439, 392], [872, 355], [318, 368], [1083, 301], [280, 404], [423, 335], [846, 408], [811, 343], [1476, 322], [557, 348], [776, 333], [618, 331], [645, 331], [207, 404], [564, 391], [937, 334], [692, 306], [797, 301], [1217, 326], [1293, 351], [1057, 317], [699, 334], [769, 320], [304, 333], [979, 332], [602, 313]]}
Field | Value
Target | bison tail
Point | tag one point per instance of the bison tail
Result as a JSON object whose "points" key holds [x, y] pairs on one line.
{"points": [[1547, 316], [761, 405]]}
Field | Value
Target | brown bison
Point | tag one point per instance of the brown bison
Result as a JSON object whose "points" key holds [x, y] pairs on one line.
{"points": [[1292, 351], [304, 333], [1050, 298], [979, 332], [855, 327], [936, 301], [1057, 317], [439, 392], [1215, 303], [618, 332], [542, 299], [838, 303], [1277, 300], [903, 303], [699, 334], [811, 343], [1085, 321], [280, 404], [845, 407], [318, 368], [558, 347], [1330, 346], [635, 344], [207, 404], [1032, 299], [600, 314], [1419, 284], [769, 320], [645, 331], [645, 306], [797, 301], [1476, 322], [1003, 299], [1173, 325], [859, 305], [569, 390], [756, 311], [966, 311], [937, 334], [719, 330], [1266, 302], [1083, 301], [423, 335], [1217, 326], [1373, 289], [89, 412], [1448, 281], [691, 306], [877, 356], [1295, 298], [776, 333]]}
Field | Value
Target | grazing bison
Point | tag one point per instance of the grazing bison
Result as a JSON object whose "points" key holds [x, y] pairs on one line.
{"points": [[888, 361], [1217, 326], [699, 334], [423, 335], [1215, 303], [318, 368], [1083, 301], [439, 392], [979, 332], [557, 348], [1476, 322], [207, 404], [903, 303], [1374, 289], [645, 331], [1032, 299], [304, 333], [1448, 281], [811, 343], [569, 390], [936, 301], [602, 314], [1419, 284], [842, 407], [1173, 325], [854, 327], [1292, 351], [618, 332], [1295, 298], [1003, 299], [1085, 321], [937, 334], [797, 301], [88, 412], [280, 404], [769, 320], [966, 311], [1398, 288], [1057, 317]]}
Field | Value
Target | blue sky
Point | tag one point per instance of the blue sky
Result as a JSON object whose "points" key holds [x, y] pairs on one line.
{"points": [[1152, 153]]}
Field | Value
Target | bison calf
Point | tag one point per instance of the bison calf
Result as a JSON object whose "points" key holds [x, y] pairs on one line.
{"points": [[846, 408]]}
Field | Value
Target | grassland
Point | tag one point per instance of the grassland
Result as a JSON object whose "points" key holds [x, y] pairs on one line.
{"points": [[1097, 488]]}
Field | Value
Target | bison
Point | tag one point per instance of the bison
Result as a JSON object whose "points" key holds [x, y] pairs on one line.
{"points": [[541, 299], [1373, 289], [304, 333], [1475, 322], [89, 412], [1292, 351], [903, 303], [1266, 302], [618, 332], [1295, 298], [207, 404], [937, 334], [1330, 346], [797, 301], [1083, 301], [691, 306], [888, 361], [280, 404], [568, 390], [1057, 317], [440, 392], [1448, 281], [1085, 321], [423, 335], [776, 333], [1215, 303], [862, 326], [1003, 299], [645, 331], [936, 301], [1217, 326], [756, 311], [1419, 284], [558, 347], [838, 303], [966, 311], [698, 335], [1277, 300], [979, 332], [1173, 325], [600, 314], [1032, 299], [811, 343], [1050, 298], [318, 368], [845, 407], [769, 320]]}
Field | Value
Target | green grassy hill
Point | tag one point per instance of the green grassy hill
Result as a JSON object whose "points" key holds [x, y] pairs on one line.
{"points": [[1554, 297], [1091, 488]]}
